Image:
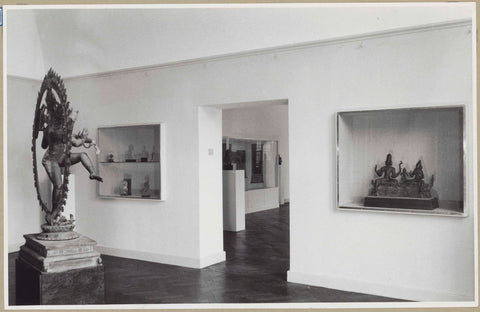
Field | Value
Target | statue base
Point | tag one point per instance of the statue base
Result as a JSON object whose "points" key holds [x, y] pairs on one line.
{"points": [[59, 272], [58, 256], [401, 202], [58, 232], [57, 236]]}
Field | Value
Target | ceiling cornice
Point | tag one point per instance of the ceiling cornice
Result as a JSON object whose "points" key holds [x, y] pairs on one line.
{"points": [[278, 49]]}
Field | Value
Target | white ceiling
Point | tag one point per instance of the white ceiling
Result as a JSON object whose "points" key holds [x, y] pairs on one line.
{"points": [[85, 40]]}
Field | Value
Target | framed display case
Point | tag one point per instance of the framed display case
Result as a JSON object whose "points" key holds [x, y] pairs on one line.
{"points": [[408, 160], [131, 161]]}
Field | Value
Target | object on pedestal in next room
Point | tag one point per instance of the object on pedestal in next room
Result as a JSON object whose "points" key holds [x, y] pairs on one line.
{"points": [[411, 192], [233, 160], [227, 160]]}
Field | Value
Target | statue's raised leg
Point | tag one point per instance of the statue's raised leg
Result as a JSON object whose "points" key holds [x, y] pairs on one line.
{"points": [[87, 163]]}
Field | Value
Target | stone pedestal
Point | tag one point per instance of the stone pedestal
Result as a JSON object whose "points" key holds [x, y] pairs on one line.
{"points": [[59, 272]]}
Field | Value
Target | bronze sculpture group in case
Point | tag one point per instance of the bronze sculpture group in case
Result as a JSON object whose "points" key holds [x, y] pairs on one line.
{"points": [[410, 192]]}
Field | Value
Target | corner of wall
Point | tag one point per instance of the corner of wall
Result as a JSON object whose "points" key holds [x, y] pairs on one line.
{"points": [[210, 201], [211, 259]]}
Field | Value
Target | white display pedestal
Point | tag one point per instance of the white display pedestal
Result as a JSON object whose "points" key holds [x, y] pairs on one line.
{"points": [[234, 200], [261, 199]]}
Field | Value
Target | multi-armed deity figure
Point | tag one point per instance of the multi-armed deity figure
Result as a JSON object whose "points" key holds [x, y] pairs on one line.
{"points": [[56, 119], [387, 173], [411, 183]]}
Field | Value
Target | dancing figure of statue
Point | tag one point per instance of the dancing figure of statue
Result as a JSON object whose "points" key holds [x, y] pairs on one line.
{"points": [[56, 119]]}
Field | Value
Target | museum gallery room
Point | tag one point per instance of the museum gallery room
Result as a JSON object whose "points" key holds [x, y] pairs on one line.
{"points": [[240, 155]]}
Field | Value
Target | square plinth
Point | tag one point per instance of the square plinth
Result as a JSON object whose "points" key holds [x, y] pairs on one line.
{"points": [[51, 248], [58, 256], [77, 286]]}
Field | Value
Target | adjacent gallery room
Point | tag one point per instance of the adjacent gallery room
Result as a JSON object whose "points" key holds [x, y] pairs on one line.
{"points": [[302, 155]]}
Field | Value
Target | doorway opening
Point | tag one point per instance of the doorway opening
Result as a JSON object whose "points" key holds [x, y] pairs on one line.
{"points": [[250, 174], [255, 188]]}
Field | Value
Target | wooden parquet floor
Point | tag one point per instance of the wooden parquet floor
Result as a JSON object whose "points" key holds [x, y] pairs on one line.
{"points": [[254, 272]]}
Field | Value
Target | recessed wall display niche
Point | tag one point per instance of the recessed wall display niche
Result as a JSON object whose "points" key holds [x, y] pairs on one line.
{"points": [[131, 161], [402, 160]]}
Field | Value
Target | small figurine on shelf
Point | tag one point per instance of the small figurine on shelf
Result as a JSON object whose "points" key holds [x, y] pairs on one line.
{"points": [[144, 155], [124, 188], [110, 157], [129, 156], [146, 187], [155, 155], [126, 185]]}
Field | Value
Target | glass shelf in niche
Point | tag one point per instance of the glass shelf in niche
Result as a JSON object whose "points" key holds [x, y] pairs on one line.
{"points": [[131, 196], [130, 162]]}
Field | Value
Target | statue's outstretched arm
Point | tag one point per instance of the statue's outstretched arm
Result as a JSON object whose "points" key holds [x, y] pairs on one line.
{"points": [[396, 174], [378, 172]]}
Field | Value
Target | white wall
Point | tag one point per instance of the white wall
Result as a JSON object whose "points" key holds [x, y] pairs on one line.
{"points": [[167, 231], [410, 256], [407, 256], [23, 208], [26, 50], [210, 204], [159, 231], [262, 122]]}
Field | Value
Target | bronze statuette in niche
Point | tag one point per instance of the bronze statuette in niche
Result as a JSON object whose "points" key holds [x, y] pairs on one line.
{"points": [[408, 192]]}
